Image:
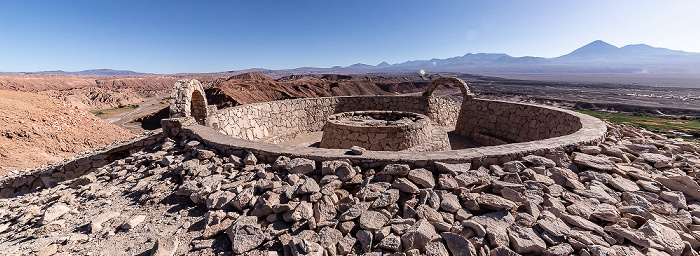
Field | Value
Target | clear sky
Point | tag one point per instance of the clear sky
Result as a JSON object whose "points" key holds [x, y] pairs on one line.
{"points": [[210, 36]]}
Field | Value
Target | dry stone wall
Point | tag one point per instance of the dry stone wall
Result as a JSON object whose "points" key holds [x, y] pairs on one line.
{"points": [[77, 166], [487, 122], [443, 111], [260, 121], [507, 130], [401, 136], [187, 99], [512, 122]]}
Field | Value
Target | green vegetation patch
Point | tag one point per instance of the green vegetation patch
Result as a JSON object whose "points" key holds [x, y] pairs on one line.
{"points": [[114, 111], [667, 124]]}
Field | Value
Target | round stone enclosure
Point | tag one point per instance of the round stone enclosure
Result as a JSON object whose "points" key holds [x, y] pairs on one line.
{"points": [[504, 130], [376, 130]]}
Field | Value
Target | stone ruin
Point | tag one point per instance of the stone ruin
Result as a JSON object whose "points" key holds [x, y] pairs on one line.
{"points": [[494, 131], [224, 181]]}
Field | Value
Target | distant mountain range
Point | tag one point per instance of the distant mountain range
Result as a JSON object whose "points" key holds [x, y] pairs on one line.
{"points": [[91, 72], [595, 57]]}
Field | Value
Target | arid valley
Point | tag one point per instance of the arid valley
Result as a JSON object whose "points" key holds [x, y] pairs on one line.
{"points": [[344, 128]]}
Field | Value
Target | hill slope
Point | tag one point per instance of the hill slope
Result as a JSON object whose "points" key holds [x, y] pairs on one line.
{"points": [[255, 87], [37, 129]]}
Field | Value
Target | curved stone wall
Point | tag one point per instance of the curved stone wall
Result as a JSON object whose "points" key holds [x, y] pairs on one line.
{"points": [[528, 129], [498, 122], [339, 132], [502, 121], [466, 94], [278, 119]]}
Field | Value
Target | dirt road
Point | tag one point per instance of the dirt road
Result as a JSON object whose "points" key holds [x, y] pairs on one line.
{"points": [[149, 106]]}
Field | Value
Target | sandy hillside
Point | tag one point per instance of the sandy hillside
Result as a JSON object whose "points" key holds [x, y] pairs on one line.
{"points": [[256, 87], [37, 129], [97, 92]]}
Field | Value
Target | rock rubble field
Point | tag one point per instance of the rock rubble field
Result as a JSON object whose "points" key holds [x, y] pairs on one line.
{"points": [[635, 194]]}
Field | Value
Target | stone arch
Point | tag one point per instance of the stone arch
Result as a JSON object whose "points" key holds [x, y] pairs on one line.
{"points": [[466, 94], [188, 100]]}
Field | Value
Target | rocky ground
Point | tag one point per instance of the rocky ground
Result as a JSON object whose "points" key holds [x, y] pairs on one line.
{"points": [[636, 194]]}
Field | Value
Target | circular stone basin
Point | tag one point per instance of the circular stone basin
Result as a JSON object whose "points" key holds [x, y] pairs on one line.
{"points": [[376, 130]]}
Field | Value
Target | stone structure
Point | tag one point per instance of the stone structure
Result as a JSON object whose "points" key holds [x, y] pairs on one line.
{"points": [[506, 130], [380, 130], [70, 168], [187, 99], [466, 94]]}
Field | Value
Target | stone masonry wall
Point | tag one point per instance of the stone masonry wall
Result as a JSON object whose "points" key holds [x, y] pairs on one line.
{"points": [[71, 168], [514, 122], [534, 129], [260, 121], [494, 121], [342, 135], [187, 99], [443, 111]]}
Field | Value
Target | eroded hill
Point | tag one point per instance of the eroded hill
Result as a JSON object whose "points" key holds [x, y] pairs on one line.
{"points": [[98, 92], [37, 129], [255, 87]]}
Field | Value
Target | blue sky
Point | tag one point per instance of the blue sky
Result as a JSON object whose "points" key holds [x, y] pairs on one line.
{"points": [[209, 36]]}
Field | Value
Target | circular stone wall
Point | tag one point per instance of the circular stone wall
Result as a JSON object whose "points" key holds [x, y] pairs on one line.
{"points": [[376, 130], [506, 130]]}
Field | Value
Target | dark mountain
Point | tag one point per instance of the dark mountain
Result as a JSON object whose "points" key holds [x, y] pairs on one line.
{"points": [[467, 59]]}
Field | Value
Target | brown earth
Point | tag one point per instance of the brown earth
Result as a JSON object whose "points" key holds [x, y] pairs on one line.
{"points": [[91, 93], [255, 87], [37, 129]]}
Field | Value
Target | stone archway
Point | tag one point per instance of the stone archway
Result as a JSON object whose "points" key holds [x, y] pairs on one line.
{"points": [[188, 100], [466, 94]]}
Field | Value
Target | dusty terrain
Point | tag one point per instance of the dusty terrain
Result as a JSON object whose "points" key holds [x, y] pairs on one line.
{"points": [[96, 92], [256, 87], [635, 98], [634, 195], [37, 129]]}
